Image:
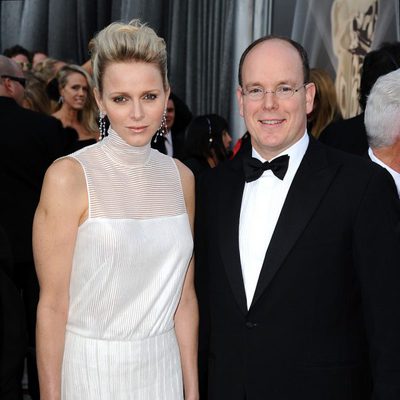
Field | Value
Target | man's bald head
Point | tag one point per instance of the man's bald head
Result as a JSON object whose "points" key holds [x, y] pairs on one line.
{"points": [[8, 66], [10, 87]]}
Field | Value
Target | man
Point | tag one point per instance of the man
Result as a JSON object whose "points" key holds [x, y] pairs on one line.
{"points": [[349, 135], [177, 118], [383, 124], [21, 55], [30, 142], [298, 272]]}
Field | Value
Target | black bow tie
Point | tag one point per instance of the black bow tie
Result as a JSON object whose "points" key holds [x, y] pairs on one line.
{"points": [[254, 168]]}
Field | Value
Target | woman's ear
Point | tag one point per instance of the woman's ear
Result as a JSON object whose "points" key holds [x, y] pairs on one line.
{"points": [[97, 97]]}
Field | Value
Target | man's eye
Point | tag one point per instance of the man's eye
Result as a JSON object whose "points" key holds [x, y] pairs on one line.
{"points": [[256, 90], [284, 89], [119, 99], [149, 96]]}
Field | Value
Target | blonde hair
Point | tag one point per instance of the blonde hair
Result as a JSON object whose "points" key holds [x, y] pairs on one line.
{"points": [[86, 116], [131, 42], [46, 70], [35, 96], [326, 108]]}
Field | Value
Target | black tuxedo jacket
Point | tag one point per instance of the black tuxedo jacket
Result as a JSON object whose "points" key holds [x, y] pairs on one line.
{"points": [[178, 139], [325, 314], [348, 135]]}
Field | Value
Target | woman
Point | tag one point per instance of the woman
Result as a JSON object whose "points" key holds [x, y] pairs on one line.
{"points": [[117, 315], [325, 108], [207, 142], [76, 107]]}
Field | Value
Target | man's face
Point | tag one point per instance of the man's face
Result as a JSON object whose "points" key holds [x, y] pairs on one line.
{"points": [[274, 124], [170, 115], [15, 89], [23, 61]]}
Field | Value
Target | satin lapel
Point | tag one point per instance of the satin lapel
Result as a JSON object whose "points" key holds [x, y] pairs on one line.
{"points": [[312, 180], [230, 200]]}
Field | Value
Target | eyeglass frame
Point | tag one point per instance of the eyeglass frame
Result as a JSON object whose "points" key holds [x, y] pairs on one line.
{"points": [[245, 92], [20, 80]]}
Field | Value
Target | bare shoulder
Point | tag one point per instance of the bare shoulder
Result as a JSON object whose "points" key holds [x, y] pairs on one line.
{"points": [[186, 175], [66, 173], [187, 180], [64, 186]]}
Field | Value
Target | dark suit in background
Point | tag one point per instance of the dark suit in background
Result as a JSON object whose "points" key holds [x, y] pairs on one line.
{"points": [[348, 135], [30, 143], [177, 123], [13, 337]]}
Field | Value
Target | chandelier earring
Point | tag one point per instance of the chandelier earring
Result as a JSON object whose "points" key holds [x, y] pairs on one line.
{"points": [[102, 125], [162, 130]]}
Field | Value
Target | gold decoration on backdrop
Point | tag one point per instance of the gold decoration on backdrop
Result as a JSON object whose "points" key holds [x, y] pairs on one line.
{"points": [[353, 28]]}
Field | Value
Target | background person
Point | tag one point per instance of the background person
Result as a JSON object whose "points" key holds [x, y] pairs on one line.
{"points": [[382, 123], [77, 108], [207, 143]]}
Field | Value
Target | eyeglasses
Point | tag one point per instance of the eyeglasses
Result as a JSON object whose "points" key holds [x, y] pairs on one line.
{"points": [[282, 92], [21, 81]]}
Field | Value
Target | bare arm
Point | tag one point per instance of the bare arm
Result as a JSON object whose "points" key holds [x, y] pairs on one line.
{"points": [[187, 315], [61, 209]]}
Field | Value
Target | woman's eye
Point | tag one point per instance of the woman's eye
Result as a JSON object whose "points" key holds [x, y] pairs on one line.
{"points": [[149, 96], [119, 99]]}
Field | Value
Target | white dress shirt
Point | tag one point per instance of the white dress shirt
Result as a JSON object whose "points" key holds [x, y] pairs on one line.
{"points": [[168, 143], [395, 174], [262, 203]]}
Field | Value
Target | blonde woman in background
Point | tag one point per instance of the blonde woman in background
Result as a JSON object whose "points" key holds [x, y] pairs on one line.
{"points": [[77, 108], [326, 108]]}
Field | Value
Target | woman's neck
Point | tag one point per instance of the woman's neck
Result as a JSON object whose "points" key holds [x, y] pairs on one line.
{"points": [[67, 115]]}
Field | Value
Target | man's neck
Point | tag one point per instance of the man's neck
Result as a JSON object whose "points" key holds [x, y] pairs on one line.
{"points": [[390, 156]]}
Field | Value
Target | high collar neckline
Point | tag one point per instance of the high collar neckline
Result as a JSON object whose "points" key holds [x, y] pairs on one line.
{"points": [[123, 153]]}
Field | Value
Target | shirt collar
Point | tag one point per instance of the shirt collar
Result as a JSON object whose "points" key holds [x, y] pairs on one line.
{"points": [[395, 174], [295, 152]]}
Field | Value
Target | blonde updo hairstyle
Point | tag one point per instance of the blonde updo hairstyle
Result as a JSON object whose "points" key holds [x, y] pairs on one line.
{"points": [[131, 42]]}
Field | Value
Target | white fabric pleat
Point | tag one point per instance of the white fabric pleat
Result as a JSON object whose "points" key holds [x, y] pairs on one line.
{"points": [[130, 260]]}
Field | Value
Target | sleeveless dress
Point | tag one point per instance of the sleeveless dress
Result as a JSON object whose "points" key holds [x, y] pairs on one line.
{"points": [[130, 260]]}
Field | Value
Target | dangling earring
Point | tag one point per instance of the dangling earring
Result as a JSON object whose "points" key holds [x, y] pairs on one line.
{"points": [[102, 125], [60, 100], [162, 130]]}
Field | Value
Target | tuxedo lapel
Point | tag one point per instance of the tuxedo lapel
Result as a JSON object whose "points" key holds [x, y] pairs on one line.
{"points": [[230, 200], [312, 180]]}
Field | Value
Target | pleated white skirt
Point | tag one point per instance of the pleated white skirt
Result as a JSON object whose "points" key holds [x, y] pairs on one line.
{"points": [[146, 369]]}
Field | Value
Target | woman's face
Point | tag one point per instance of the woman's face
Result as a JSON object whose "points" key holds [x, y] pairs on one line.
{"points": [[75, 91], [226, 140], [133, 99]]}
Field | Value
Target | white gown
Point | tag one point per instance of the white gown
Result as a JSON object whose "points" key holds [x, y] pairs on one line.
{"points": [[129, 264]]}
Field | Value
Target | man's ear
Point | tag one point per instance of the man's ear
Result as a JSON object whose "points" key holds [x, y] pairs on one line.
{"points": [[239, 96], [8, 86], [310, 94]]}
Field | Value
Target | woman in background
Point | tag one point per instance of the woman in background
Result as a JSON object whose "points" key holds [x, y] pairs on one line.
{"points": [[207, 143], [77, 108], [117, 315], [326, 108]]}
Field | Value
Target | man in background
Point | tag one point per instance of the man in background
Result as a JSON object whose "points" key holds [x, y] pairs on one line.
{"points": [[30, 142], [382, 122]]}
